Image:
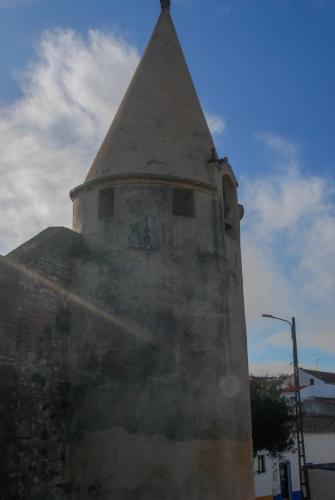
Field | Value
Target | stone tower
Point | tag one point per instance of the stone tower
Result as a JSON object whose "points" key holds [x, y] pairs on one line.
{"points": [[170, 415], [123, 360]]}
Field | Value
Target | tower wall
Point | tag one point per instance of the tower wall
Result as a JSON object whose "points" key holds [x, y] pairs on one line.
{"points": [[160, 382]]}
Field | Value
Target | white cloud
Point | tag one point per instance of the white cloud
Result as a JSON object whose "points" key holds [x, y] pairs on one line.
{"points": [[289, 250], [49, 136], [275, 368], [216, 123], [278, 144], [270, 368], [48, 139]]}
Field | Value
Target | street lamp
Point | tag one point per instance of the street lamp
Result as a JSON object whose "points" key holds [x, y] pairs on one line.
{"points": [[298, 411]]}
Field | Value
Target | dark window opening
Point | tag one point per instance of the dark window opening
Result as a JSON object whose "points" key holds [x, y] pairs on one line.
{"points": [[183, 202], [261, 464], [226, 203], [106, 202], [312, 381], [230, 206]]}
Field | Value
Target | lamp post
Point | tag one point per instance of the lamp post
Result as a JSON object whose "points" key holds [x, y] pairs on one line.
{"points": [[298, 411]]}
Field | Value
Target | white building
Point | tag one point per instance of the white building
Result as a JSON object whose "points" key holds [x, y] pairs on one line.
{"points": [[279, 479], [313, 384]]}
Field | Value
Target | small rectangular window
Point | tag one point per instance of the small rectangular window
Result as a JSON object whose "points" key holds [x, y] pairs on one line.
{"points": [[183, 202], [312, 381], [106, 202], [261, 464]]}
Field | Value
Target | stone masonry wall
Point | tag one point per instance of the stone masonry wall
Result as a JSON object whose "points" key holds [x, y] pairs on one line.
{"points": [[34, 326]]}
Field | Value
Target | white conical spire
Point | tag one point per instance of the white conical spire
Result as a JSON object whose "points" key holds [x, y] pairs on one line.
{"points": [[160, 127]]}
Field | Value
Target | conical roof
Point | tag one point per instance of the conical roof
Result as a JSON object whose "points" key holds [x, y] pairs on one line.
{"points": [[160, 127]]}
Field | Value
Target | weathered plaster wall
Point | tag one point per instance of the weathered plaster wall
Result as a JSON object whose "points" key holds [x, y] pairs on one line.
{"points": [[124, 357], [322, 484], [148, 467], [161, 384]]}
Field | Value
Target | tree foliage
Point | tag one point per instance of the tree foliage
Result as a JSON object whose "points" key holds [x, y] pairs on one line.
{"points": [[272, 417]]}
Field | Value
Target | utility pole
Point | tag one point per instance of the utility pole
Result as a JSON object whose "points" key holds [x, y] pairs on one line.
{"points": [[299, 418], [303, 473]]}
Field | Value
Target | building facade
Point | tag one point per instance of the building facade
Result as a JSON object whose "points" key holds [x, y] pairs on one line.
{"points": [[278, 479], [313, 384]]}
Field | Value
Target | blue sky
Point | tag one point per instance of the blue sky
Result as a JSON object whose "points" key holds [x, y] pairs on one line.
{"points": [[262, 63], [265, 74]]}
